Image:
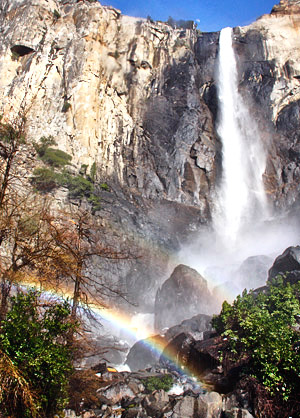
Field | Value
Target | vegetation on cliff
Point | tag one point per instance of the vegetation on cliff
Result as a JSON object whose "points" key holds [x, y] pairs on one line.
{"points": [[55, 174]]}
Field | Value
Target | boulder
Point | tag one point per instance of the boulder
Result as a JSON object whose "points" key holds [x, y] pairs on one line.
{"points": [[237, 413], [144, 354], [253, 272], [181, 296], [156, 403], [204, 360], [116, 392], [288, 265], [134, 412], [177, 352], [184, 408], [195, 326], [206, 354], [209, 405]]}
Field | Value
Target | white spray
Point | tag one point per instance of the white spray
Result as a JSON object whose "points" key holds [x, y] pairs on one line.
{"points": [[241, 197]]}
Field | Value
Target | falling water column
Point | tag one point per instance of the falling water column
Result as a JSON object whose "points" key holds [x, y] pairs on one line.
{"points": [[241, 195]]}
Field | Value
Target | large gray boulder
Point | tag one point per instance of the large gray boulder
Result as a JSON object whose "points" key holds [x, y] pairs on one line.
{"points": [[253, 272], [144, 354], [182, 296], [208, 405], [288, 265]]}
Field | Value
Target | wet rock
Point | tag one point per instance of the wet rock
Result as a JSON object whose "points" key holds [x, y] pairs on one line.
{"points": [[209, 405], [207, 353], [204, 360], [157, 403], [253, 272], [184, 408], [100, 367], [191, 403], [180, 349], [183, 295], [287, 265], [194, 326], [144, 354], [115, 393], [134, 412], [237, 413]]}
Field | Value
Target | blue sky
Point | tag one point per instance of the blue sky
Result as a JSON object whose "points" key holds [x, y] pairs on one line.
{"points": [[213, 14]]}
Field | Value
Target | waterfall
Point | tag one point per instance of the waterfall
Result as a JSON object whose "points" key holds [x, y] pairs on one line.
{"points": [[241, 197], [243, 226]]}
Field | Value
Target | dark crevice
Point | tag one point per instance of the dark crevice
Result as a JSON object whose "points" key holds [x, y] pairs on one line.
{"points": [[21, 50]]}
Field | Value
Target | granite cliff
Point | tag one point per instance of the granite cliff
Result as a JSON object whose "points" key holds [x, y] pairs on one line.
{"points": [[138, 98]]}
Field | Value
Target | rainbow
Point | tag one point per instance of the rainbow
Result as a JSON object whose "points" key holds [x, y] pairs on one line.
{"points": [[123, 321]]}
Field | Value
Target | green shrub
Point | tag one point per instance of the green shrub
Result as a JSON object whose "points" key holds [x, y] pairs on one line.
{"points": [[45, 179], [95, 201], [181, 24], [51, 156], [78, 186], [35, 339], [155, 383], [262, 329], [56, 157], [10, 134], [93, 172], [104, 186], [29, 226], [83, 169], [44, 143]]}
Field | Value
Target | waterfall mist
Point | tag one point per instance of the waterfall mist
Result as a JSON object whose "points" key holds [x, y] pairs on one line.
{"points": [[243, 225]]}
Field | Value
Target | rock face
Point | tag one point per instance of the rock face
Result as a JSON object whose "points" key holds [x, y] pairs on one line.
{"points": [[118, 91], [139, 99], [183, 295], [123, 93]]}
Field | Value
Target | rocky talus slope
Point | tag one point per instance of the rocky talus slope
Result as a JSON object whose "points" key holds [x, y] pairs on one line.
{"points": [[138, 98]]}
